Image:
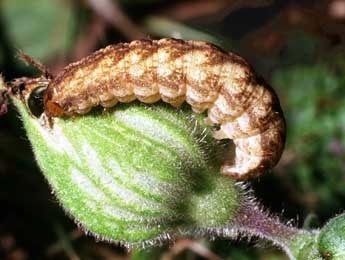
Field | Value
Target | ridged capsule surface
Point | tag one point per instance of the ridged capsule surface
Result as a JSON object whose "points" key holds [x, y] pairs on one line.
{"points": [[246, 109]]}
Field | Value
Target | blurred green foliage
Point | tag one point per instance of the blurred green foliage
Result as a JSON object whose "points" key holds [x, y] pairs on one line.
{"points": [[312, 98], [40, 28]]}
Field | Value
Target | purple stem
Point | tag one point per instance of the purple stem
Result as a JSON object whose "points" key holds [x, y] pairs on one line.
{"points": [[251, 220]]}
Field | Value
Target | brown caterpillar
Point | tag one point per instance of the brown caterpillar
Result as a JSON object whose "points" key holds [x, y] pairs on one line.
{"points": [[244, 106]]}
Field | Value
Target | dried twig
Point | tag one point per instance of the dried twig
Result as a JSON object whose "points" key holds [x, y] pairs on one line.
{"points": [[31, 61], [89, 38], [60, 245], [312, 18], [112, 13], [336, 9], [108, 252], [186, 10], [196, 247]]}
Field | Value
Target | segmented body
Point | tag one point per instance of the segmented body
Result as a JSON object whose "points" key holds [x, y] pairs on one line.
{"points": [[246, 109]]}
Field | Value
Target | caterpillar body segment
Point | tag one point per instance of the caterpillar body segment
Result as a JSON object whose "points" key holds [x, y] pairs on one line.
{"points": [[246, 108]]}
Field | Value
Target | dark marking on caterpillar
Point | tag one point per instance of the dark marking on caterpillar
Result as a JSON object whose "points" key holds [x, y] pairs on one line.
{"points": [[244, 106], [3, 98]]}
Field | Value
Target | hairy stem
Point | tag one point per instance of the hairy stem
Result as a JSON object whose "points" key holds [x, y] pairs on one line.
{"points": [[252, 221]]}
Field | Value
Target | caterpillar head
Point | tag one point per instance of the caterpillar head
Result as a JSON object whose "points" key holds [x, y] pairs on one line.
{"points": [[32, 91]]}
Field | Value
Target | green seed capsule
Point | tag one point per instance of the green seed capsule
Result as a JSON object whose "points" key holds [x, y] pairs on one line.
{"points": [[138, 175], [331, 240]]}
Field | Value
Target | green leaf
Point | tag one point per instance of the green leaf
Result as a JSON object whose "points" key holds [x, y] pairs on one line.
{"points": [[165, 27]]}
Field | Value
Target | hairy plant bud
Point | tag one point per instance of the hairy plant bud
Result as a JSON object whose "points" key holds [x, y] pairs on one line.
{"points": [[136, 175], [328, 243], [331, 240]]}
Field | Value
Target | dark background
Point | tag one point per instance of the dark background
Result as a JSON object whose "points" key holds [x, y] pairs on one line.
{"points": [[298, 46]]}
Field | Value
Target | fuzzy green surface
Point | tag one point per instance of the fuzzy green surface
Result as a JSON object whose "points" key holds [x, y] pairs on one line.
{"points": [[135, 174], [201, 202], [332, 239], [304, 247]]}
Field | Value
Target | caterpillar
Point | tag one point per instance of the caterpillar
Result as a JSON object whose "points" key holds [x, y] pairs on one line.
{"points": [[243, 106]]}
